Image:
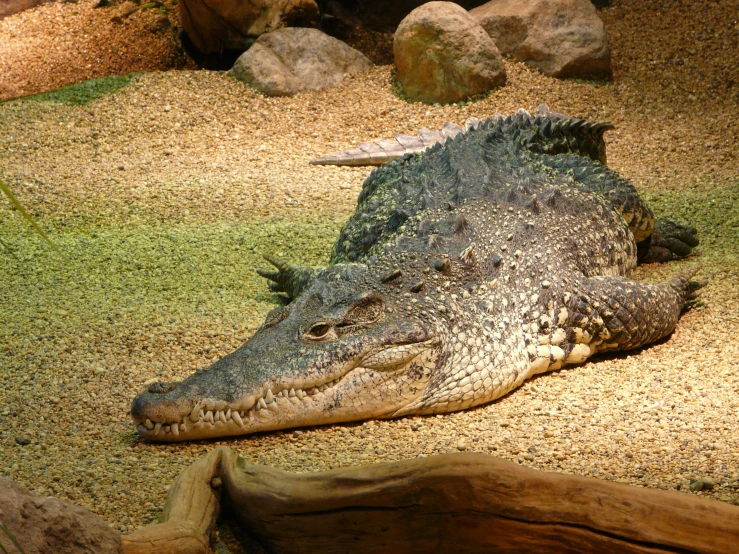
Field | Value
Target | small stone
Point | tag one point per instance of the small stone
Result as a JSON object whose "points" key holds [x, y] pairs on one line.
{"points": [[708, 483], [696, 485], [22, 440], [415, 426], [167, 108], [462, 445]]}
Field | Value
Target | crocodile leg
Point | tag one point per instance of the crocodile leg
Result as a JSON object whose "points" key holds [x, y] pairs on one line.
{"points": [[616, 313], [290, 279], [669, 240]]}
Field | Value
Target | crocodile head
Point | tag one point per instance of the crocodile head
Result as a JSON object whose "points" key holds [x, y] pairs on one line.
{"points": [[342, 351]]}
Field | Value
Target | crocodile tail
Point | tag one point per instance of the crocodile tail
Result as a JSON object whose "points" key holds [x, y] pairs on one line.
{"points": [[553, 133], [382, 151]]}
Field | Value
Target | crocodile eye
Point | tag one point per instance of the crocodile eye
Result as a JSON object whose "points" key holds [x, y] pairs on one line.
{"points": [[321, 331]]}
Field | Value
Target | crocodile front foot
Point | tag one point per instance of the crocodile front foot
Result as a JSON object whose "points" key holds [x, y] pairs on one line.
{"points": [[668, 241]]}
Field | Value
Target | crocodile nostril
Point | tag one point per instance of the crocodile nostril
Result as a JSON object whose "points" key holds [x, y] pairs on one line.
{"points": [[161, 387]]}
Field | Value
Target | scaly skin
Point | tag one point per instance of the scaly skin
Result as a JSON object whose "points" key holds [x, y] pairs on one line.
{"points": [[464, 271]]}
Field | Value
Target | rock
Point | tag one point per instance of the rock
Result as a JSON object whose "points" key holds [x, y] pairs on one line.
{"points": [[23, 441], [708, 483], [443, 55], [561, 38], [292, 60], [696, 485], [462, 445], [215, 25], [10, 7], [45, 524]]}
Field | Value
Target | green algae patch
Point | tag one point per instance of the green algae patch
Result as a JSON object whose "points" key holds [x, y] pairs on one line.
{"points": [[148, 274], [79, 94], [714, 213]]}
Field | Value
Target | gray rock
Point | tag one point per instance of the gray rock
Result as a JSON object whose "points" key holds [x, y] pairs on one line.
{"points": [[561, 38], [42, 525], [293, 60], [443, 55]]}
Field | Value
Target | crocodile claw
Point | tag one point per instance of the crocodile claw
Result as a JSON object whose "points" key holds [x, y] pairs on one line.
{"points": [[669, 241], [289, 279]]}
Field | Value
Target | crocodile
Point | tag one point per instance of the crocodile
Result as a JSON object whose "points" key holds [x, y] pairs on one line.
{"points": [[494, 255]]}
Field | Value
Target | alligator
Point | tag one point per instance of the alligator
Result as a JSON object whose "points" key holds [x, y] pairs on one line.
{"points": [[497, 254]]}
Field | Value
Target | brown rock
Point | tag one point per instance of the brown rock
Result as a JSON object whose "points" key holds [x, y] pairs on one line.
{"points": [[561, 38], [443, 55], [9, 7], [214, 25], [292, 60], [45, 524]]}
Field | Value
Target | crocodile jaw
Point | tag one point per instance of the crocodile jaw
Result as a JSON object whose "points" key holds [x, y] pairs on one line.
{"points": [[374, 383]]}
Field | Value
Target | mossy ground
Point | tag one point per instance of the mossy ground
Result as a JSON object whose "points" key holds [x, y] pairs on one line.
{"points": [[146, 273], [79, 94]]}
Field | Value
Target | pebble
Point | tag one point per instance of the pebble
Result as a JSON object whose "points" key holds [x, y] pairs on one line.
{"points": [[461, 445], [23, 441]]}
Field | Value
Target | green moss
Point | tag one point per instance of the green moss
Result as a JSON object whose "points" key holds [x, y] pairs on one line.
{"points": [[82, 93], [149, 274], [714, 213]]}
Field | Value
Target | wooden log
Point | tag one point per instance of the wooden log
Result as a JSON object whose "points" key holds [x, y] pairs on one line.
{"points": [[466, 503], [189, 514]]}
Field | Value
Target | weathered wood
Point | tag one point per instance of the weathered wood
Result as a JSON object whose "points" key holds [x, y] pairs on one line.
{"points": [[462, 502], [189, 514]]}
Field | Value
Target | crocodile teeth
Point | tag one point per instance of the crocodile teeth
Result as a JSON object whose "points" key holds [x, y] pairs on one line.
{"points": [[237, 418], [175, 429], [183, 425], [167, 428], [195, 413], [228, 414], [157, 428], [148, 424], [314, 390], [300, 394], [268, 398], [222, 416], [291, 393], [322, 388], [262, 403], [209, 417]]}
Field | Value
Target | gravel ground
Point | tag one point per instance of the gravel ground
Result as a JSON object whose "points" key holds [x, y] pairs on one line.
{"points": [[68, 41], [164, 193]]}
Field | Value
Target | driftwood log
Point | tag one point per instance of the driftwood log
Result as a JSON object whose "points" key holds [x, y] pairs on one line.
{"points": [[453, 502]]}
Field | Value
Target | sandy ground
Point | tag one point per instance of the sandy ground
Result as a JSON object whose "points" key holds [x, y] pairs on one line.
{"points": [[164, 194]]}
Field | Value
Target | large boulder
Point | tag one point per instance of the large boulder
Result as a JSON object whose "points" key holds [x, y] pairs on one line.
{"points": [[443, 55], [44, 524], [561, 38], [215, 25], [9, 7], [288, 61]]}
